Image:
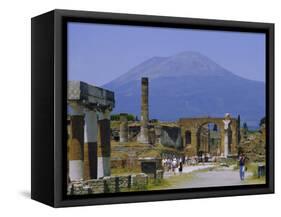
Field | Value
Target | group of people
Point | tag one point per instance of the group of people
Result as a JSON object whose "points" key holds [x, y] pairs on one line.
{"points": [[172, 164]]}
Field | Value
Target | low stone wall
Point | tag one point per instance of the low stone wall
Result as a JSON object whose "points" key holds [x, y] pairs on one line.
{"points": [[110, 184], [140, 181]]}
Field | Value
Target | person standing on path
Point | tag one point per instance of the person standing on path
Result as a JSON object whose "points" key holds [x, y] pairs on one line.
{"points": [[180, 168], [242, 160], [174, 165]]}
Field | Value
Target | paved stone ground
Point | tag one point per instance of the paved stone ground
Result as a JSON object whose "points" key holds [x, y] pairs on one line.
{"points": [[189, 169], [216, 177]]}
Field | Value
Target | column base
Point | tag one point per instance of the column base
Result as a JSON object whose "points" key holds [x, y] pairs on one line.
{"points": [[103, 166], [75, 170], [143, 139]]}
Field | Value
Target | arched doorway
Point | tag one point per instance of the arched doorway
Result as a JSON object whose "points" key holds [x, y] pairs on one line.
{"points": [[223, 135], [188, 137], [209, 140]]}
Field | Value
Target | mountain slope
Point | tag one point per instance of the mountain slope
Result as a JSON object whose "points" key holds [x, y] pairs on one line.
{"points": [[189, 84]]}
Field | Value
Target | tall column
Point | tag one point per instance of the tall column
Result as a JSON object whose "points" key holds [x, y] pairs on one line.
{"points": [[104, 144], [76, 143], [123, 128], [143, 138], [226, 122], [90, 140]]}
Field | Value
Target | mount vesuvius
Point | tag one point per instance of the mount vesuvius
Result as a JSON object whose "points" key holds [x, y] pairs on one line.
{"points": [[189, 84]]}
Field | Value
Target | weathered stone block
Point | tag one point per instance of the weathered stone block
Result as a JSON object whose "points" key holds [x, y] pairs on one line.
{"points": [[111, 184], [139, 180]]}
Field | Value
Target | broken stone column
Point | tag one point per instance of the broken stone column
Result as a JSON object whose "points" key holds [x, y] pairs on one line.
{"points": [[76, 143], [123, 135], [226, 122], [158, 131], [143, 137], [90, 140], [104, 144]]}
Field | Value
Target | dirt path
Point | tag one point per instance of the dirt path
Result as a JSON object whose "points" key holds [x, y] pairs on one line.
{"points": [[212, 178]]}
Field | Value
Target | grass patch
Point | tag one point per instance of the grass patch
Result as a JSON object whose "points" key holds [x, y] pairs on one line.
{"points": [[167, 183], [254, 180], [253, 169], [125, 171]]}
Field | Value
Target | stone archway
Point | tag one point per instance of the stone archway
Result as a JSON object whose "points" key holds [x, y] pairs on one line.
{"points": [[227, 124], [209, 140], [187, 137]]}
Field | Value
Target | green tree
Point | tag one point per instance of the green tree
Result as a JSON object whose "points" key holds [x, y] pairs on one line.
{"points": [[245, 126], [238, 128], [116, 117], [245, 129], [262, 121]]}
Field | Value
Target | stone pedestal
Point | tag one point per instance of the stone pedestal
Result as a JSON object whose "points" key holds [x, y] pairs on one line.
{"points": [[123, 135]]}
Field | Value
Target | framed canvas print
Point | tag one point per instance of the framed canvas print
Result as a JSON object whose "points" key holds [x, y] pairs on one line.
{"points": [[134, 108]]}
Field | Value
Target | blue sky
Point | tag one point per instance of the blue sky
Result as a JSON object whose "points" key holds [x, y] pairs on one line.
{"points": [[99, 53]]}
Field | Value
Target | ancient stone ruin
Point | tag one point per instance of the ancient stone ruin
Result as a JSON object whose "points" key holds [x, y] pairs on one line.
{"points": [[144, 131], [90, 109], [90, 135]]}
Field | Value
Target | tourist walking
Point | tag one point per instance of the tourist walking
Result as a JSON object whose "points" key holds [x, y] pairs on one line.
{"points": [[174, 165], [180, 168], [242, 160]]}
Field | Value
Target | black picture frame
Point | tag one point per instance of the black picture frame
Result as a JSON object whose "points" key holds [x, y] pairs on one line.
{"points": [[49, 77]]}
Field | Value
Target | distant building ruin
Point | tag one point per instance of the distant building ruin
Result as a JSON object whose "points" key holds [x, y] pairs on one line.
{"points": [[192, 128]]}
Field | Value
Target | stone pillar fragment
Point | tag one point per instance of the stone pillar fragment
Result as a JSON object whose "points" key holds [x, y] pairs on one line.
{"points": [[76, 144], [144, 138], [226, 122], [90, 140], [123, 135], [104, 144], [158, 131]]}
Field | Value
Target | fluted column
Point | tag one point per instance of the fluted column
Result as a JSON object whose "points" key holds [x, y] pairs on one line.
{"points": [[144, 132]]}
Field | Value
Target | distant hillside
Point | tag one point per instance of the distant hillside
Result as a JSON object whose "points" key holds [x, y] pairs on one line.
{"points": [[189, 84]]}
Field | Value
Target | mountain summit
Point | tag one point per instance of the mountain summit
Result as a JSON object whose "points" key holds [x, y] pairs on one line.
{"points": [[189, 84]]}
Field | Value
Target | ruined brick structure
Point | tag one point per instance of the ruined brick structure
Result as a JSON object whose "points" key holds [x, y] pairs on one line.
{"points": [[192, 127]]}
